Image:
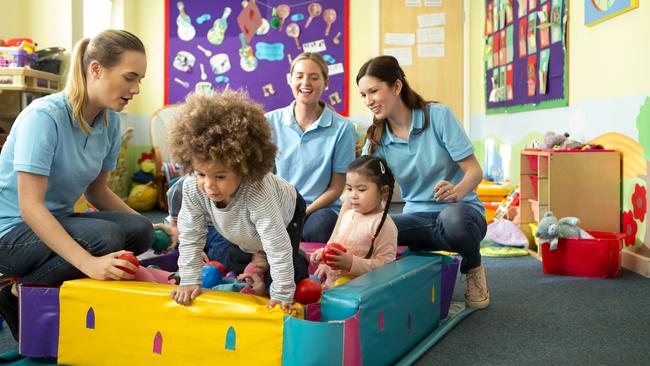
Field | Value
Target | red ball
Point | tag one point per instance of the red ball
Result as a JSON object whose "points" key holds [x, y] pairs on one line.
{"points": [[308, 291], [128, 256], [327, 252], [218, 265]]}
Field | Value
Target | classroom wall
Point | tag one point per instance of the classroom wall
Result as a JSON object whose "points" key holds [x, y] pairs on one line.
{"points": [[609, 103]]}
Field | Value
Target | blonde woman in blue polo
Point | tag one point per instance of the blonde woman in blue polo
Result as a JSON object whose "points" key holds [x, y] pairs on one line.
{"points": [[315, 146], [62, 146], [434, 164]]}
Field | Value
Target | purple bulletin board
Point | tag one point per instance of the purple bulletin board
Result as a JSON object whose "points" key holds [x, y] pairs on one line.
{"points": [[217, 35], [525, 55]]}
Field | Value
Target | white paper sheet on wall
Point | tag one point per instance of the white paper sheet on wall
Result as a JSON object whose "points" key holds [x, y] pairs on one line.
{"points": [[403, 55], [431, 20], [431, 35], [399, 39], [413, 3], [432, 2], [431, 50]]}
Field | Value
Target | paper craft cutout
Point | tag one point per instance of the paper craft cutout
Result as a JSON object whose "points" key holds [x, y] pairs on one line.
{"points": [[219, 27], [509, 80], [293, 31], [556, 21], [329, 16], [532, 33], [249, 20], [522, 36], [182, 83], [268, 90], [531, 72], [184, 61], [247, 60], [283, 12], [522, 8], [334, 98], [314, 9], [185, 29], [544, 26], [543, 70], [220, 63], [336, 38], [488, 19], [206, 52]]}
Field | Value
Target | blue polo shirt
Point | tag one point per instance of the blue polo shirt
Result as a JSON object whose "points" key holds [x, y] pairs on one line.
{"points": [[44, 140], [427, 157], [308, 159]]}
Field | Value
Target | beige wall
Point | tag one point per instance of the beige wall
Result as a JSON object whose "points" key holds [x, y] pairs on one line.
{"points": [[606, 61]]}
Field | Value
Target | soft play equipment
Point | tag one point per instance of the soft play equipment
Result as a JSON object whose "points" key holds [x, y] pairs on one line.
{"points": [[388, 316]]}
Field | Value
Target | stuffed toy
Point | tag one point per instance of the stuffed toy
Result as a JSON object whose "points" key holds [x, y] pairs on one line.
{"points": [[142, 197], [554, 140], [550, 229]]}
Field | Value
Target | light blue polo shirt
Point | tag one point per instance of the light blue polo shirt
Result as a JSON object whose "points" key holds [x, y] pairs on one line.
{"points": [[427, 157], [307, 159], [45, 141]]}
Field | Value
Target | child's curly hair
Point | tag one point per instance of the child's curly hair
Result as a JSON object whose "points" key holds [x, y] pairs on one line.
{"points": [[228, 127]]}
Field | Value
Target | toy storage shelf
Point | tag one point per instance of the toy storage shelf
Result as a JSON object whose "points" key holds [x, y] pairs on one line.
{"points": [[583, 184], [19, 86]]}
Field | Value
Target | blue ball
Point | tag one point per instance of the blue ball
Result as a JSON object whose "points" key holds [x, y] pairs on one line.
{"points": [[314, 277], [211, 277]]}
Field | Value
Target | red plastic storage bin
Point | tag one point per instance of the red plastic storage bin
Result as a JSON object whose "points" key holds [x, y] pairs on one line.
{"points": [[598, 257]]}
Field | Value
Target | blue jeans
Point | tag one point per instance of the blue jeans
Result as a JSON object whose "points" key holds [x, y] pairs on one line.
{"points": [[217, 247], [24, 255], [457, 228], [319, 225]]}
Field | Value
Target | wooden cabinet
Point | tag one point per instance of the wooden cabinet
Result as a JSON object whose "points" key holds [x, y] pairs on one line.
{"points": [[19, 86], [583, 184]]}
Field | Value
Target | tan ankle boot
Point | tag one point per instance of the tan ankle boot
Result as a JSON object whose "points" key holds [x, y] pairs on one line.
{"points": [[477, 295]]}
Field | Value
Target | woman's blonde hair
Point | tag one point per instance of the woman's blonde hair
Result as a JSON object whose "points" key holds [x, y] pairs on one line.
{"points": [[316, 58], [107, 48], [228, 127]]}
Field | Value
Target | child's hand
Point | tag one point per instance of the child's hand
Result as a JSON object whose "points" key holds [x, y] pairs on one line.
{"points": [[172, 231], [184, 294], [321, 271], [205, 258], [287, 306], [255, 281], [342, 260], [316, 257]]}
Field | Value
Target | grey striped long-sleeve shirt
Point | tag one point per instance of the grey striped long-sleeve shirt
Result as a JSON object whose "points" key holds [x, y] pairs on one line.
{"points": [[256, 219]]}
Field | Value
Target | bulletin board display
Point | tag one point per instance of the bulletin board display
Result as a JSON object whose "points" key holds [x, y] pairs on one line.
{"points": [[426, 37], [526, 58], [215, 45]]}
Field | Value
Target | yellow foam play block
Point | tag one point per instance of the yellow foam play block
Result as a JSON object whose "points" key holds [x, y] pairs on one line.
{"points": [[138, 323]]}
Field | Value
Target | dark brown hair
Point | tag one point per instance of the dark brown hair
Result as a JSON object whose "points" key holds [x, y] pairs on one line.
{"points": [[377, 170], [387, 69]]}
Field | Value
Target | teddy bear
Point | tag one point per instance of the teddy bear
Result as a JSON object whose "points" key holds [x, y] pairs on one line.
{"points": [[554, 140], [550, 229]]}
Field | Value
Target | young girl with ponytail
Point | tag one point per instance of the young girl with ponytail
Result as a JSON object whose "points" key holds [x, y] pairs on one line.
{"points": [[366, 231], [60, 147]]}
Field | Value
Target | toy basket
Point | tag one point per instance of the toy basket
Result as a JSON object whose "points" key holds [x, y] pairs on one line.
{"points": [[598, 257], [15, 57]]}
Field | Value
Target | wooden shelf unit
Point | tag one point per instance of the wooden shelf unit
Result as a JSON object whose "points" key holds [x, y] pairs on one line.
{"points": [[19, 86], [583, 184]]}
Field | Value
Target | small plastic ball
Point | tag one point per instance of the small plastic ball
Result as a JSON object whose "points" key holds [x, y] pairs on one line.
{"points": [[211, 276], [314, 277], [161, 241], [341, 281], [308, 291], [329, 252], [218, 265], [128, 256]]}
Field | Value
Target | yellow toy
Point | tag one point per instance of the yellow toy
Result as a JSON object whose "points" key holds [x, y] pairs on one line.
{"points": [[142, 197]]}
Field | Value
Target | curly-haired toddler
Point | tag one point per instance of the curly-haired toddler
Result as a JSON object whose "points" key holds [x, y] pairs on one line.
{"points": [[225, 141]]}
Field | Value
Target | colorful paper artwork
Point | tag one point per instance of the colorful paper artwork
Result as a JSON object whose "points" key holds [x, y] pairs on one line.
{"points": [[597, 11]]}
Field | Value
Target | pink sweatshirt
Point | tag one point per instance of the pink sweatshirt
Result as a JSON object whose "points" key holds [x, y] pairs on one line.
{"points": [[355, 234]]}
